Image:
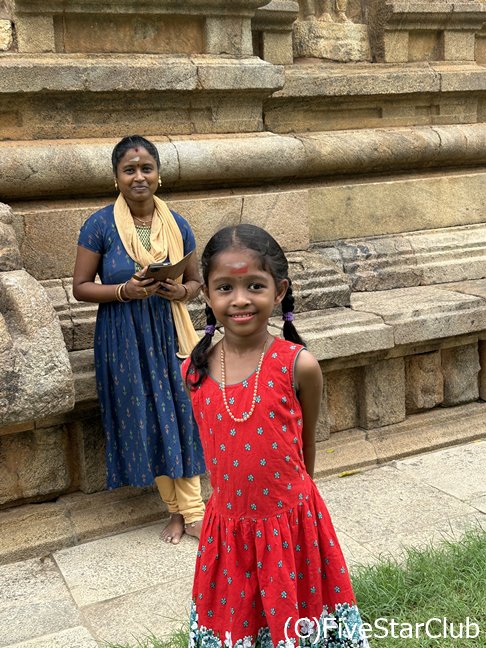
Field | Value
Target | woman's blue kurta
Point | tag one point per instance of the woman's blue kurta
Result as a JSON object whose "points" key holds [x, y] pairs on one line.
{"points": [[146, 413]]}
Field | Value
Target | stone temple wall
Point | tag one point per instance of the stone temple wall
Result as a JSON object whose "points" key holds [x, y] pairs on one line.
{"points": [[354, 131]]}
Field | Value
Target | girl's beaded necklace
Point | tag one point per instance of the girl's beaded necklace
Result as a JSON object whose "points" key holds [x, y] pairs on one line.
{"points": [[246, 415]]}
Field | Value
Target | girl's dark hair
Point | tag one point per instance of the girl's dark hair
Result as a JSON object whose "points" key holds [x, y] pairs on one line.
{"points": [[133, 141], [272, 259]]}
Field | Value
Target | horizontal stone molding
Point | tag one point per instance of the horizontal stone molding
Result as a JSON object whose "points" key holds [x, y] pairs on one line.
{"points": [[43, 73], [58, 168], [357, 80], [414, 259], [433, 14], [403, 31], [173, 7], [424, 313]]}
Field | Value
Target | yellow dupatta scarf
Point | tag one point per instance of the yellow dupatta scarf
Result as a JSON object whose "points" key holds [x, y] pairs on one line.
{"points": [[166, 241]]}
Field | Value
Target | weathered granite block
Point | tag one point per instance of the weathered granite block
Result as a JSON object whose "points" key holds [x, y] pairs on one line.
{"points": [[459, 45], [460, 366], [6, 37], [424, 313], [341, 332], [343, 399], [415, 258], [317, 282], [34, 465], [482, 375], [284, 214], [90, 443], [341, 42], [424, 383], [35, 34], [10, 258], [382, 397], [322, 428], [396, 205], [83, 367], [272, 27], [35, 375], [228, 35]]}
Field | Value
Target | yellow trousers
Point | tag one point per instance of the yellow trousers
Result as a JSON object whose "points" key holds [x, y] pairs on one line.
{"points": [[182, 495]]}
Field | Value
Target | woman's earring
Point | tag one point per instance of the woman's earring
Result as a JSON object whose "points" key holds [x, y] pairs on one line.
{"points": [[116, 185], [160, 181]]}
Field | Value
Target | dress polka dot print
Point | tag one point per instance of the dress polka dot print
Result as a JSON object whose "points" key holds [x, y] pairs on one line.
{"points": [[268, 552]]}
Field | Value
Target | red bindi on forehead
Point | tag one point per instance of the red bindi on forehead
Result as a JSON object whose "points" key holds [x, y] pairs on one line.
{"points": [[136, 150], [239, 267]]}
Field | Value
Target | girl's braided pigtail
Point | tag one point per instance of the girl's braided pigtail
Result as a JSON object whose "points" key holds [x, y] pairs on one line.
{"points": [[200, 353], [289, 330]]}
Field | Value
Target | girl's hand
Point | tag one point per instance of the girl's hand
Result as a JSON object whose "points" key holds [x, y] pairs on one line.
{"points": [[140, 288], [171, 290]]}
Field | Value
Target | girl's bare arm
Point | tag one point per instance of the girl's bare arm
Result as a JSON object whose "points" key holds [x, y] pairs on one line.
{"points": [[308, 378]]}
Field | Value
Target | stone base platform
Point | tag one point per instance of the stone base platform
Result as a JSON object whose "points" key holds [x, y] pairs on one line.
{"points": [[36, 530]]}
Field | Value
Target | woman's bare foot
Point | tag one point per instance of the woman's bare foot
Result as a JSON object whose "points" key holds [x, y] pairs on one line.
{"points": [[174, 530], [194, 528]]}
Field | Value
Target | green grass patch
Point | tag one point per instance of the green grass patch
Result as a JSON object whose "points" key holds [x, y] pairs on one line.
{"points": [[446, 581]]}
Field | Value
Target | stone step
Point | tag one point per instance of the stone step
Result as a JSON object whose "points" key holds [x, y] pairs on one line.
{"points": [[414, 259], [37, 529]]}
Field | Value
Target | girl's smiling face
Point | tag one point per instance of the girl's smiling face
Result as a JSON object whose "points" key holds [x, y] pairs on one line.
{"points": [[241, 294]]}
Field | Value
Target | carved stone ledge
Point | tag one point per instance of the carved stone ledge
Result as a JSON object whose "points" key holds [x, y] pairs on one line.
{"points": [[424, 313], [342, 332], [404, 31], [81, 97], [272, 25], [415, 258], [211, 26]]}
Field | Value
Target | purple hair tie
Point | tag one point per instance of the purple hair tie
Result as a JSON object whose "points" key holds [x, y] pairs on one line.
{"points": [[288, 317], [210, 329]]}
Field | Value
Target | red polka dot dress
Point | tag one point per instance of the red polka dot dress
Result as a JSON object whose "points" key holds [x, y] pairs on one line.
{"points": [[269, 566]]}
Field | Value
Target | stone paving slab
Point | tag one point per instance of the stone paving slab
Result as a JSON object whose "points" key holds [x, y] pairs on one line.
{"points": [[73, 638], [385, 502], [447, 530], [125, 563], [34, 601], [158, 610], [459, 472]]}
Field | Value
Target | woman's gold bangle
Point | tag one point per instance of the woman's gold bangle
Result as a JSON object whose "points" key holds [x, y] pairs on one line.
{"points": [[118, 293], [186, 295]]}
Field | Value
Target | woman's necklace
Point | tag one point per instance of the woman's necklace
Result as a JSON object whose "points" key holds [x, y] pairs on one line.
{"points": [[246, 415], [144, 223]]}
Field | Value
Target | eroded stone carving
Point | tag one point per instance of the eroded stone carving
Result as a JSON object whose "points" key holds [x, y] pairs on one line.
{"points": [[36, 380], [326, 31], [325, 10]]}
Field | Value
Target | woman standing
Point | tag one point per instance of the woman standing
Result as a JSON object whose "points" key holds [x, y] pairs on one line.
{"points": [[142, 329]]}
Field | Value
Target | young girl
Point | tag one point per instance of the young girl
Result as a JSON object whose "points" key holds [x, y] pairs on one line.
{"points": [[269, 567]]}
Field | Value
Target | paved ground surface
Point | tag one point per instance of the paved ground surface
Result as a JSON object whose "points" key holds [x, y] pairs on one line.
{"points": [[125, 586]]}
